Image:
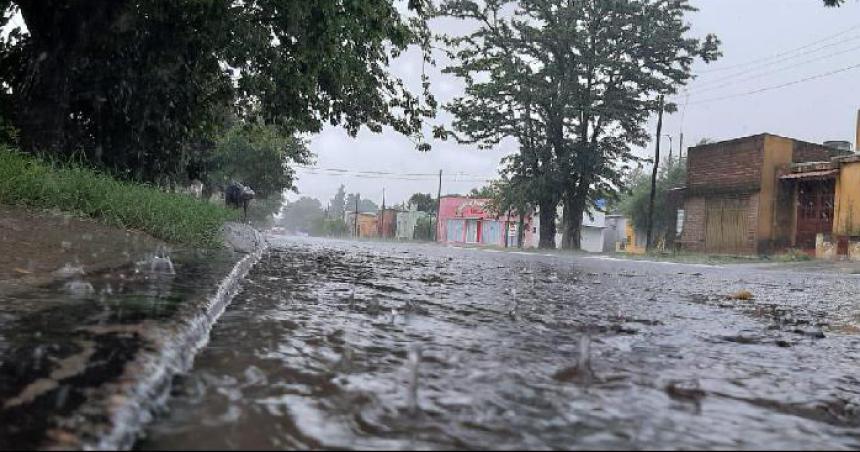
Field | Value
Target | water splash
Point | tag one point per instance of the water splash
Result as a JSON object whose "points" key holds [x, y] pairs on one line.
{"points": [[68, 270], [161, 262], [79, 288]]}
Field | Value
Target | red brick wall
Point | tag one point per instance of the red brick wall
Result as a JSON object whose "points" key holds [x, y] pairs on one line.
{"points": [[693, 235], [733, 166], [811, 152]]}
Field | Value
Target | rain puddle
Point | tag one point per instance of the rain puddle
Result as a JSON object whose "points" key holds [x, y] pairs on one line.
{"points": [[387, 346]]}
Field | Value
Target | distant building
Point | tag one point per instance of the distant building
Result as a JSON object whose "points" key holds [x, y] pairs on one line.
{"points": [[386, 223], [600, 232], [366, 224], [406, 222], [465, 220]]}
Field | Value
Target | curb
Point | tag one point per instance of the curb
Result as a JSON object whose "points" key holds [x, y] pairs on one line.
{"points": [[132, 407]]}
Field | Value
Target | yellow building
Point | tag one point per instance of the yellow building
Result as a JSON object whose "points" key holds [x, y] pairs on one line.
{"points": [[633, 243]]}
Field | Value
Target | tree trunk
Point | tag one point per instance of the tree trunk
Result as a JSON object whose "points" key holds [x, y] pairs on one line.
{"points": [[574, 210], [520, 232], [547, 225]]}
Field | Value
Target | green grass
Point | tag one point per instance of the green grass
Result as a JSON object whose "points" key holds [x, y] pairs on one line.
{"points": [[176, 218]]}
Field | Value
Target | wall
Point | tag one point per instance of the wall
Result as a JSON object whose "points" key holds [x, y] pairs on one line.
{"points": [[591, 239], [846, 215], [386, 219], [778, 154], [693, 234], [727, 166], [812, 152]]}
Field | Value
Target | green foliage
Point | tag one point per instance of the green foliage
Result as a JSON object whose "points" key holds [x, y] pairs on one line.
{"points": [[330, 227], [486, 191], [364, 205], [307, 215], [258, 156], [634, 204], [424, 229], [141, 87], [423, 202], [337, 206], [792, 255], [302, 215], [175, 218], [261, 212]]}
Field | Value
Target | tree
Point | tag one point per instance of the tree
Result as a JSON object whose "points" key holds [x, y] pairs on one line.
{"points": [[423, 202], [258, 156], [337, 205], [512, 197], [364, 205], [133, 85], [634, 204], [424, 228], [487, 191], [303, 215], [574, 82]]}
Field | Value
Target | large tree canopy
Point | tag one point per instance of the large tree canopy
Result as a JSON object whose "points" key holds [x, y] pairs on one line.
{"points": [[134, 84], [574, 82]]}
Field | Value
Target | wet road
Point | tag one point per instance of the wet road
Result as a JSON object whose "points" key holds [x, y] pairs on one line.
{"points": [[334, 344]]}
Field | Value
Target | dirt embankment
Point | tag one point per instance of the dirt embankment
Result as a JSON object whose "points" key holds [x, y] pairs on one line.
{"points": [[39, 247]]}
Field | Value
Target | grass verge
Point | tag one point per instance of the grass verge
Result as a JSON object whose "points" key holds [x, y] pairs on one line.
{"points": [[32, 182]]}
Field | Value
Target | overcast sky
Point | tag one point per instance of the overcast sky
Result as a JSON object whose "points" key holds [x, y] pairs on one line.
{"points": [[766, 43]]}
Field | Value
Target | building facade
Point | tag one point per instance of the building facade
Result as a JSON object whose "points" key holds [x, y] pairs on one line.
{"points": [[364, 226], [739, 199], [406, 222], [386, 223], [469, 221]]}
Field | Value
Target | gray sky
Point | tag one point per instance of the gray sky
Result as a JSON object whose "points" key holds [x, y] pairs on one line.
{"points": [[763, 36]]}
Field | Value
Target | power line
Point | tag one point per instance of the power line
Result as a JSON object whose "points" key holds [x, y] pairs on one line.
{"points": [[757, 61], [784, 85], [453, 177], [711, 86], [382, 174]]}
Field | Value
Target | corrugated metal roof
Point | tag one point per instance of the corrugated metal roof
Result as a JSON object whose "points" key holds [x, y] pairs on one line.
{"points": [[827, 174]]}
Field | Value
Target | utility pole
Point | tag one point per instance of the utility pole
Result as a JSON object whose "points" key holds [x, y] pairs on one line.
{"points": [[438, 207], [382, 223], [648, 231], [355, 216], [681, 148]]}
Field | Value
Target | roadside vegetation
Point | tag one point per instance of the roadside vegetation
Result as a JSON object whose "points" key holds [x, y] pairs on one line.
{"points": [[177, 218]]}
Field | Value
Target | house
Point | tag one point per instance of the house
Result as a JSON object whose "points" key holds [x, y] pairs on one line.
{"points": [[465, 220], [386, 223], [600, 232], [406, 222], [364, 225], [741, 195]]}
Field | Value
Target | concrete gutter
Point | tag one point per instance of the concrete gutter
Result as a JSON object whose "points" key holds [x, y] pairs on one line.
{"points": [[132, 406], [87, 370]]}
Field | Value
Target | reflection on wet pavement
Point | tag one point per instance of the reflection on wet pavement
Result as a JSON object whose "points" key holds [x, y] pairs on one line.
{"points": [[387, 346]]}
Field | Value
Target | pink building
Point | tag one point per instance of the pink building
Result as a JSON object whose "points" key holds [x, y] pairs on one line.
{"points": [[464, 220]]}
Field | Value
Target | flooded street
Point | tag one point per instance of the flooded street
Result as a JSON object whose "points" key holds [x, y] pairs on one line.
{"points": [[337, 344]]}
